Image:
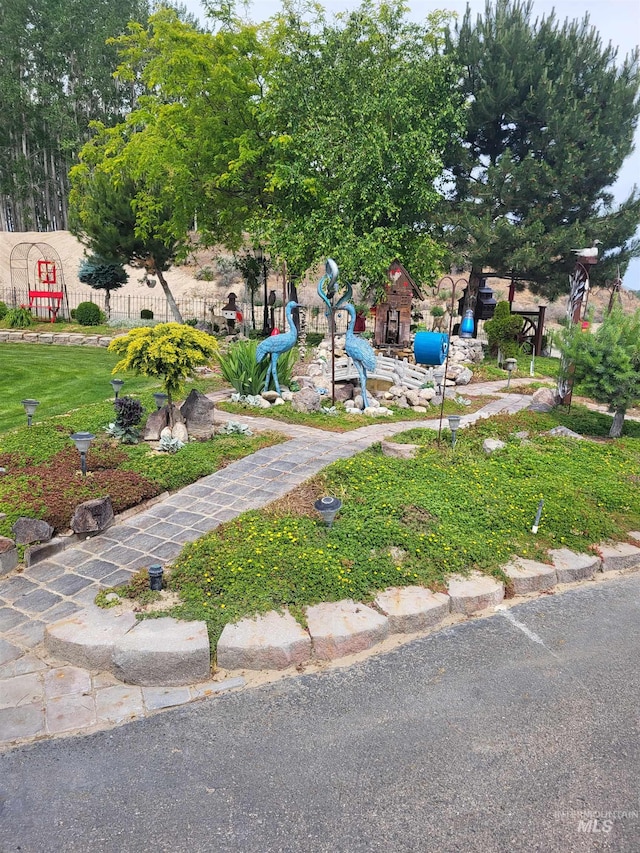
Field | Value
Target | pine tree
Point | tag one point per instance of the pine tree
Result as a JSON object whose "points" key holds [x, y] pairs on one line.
{"points": [[551, 118]]}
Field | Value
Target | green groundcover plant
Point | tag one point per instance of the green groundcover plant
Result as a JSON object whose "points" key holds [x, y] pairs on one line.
{"points": [[415, 522]]}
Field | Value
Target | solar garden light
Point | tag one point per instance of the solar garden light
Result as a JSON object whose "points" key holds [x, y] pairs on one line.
{"points": [[117, 384], [510, 365], [438, 378], [155, 577], [160, 399], [454, 425], [30, 407], [328, 508], [82, 440]]}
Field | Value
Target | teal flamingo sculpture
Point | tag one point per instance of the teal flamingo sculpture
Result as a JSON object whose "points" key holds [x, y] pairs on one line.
{"points": [[359, 351], [275, 345]]}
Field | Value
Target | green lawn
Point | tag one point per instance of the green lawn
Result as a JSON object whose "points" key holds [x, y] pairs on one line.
{"points": [[63, 379]]}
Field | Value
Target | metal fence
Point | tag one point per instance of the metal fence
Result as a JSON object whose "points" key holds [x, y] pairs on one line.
{"points": [[129, 307]]}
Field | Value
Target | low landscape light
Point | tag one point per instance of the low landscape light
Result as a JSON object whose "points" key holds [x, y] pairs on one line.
{"points": [[328, 508], [160, 399], [510, 365], [82, 440], [454, 426], [438, 378], [117, 384], [30, 407], [155, 577]]}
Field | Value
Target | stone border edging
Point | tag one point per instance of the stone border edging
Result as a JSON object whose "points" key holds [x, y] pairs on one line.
{"points": [[168, 652], [16, 336]]}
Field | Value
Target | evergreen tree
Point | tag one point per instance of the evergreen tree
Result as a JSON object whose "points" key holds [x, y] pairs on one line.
{"points": [[551, 117], [607, 362], [102, 274]]}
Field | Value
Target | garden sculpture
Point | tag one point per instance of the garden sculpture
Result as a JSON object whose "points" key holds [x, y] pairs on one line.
{"points": [[275, 345], [359, 351]]}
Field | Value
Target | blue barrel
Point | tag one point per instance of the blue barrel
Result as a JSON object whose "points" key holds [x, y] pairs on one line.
{"points": [[430, 347]]}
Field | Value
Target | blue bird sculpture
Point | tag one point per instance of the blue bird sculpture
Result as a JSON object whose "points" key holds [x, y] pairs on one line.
{"points": [[359, 351], [275, 345]]}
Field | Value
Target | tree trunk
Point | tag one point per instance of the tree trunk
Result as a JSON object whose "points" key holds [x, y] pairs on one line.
{"points": [[177, 316], [618, 421], [107, 302]]}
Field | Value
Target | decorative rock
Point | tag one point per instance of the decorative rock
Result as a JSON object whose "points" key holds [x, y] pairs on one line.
{"points": [[399, 451], [543, 400], [287, 396], [476, 592], [427, 393], [34, 553], [530, 576], [163, 651], [8, 555], [344, 628], [377, 411], [28, 530], [198, 413], [179, 431], [619, 556], [156, 422], [358, 402], [464, 377], [491, 444], [572, 567], [88, 638], [563, 431], [307, 400], [278, 401], [270, 641], [271, 396], [412, 608], [344, 392], [93, 516], [166, 433]]}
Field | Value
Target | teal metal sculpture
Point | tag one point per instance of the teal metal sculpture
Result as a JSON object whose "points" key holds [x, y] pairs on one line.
{"points": [[359, 351], [275, 345]]}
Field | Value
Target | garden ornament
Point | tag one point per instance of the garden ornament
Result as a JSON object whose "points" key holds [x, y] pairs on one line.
{"points": [[275, 345]]}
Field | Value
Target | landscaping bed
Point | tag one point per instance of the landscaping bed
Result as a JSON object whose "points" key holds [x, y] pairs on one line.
{"points": [[417, 522]]}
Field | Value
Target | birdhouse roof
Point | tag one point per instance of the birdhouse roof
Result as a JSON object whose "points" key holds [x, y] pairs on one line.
{"points": [[398, 275]]}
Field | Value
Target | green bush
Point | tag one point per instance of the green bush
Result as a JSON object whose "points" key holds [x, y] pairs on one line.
{"points": [[314, 338], [19, 318], [503, 330], [3, 310], [146, 314], [240, 369], [89, 314]]}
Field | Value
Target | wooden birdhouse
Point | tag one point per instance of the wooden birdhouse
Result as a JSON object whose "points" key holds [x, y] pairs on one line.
{"points": [[393, 313]]}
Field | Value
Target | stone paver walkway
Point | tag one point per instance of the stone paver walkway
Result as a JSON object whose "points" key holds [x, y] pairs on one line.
{"points": [[38, 696]]}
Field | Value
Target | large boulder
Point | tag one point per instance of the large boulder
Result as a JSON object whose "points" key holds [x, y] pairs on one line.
{"points": [[93, 516], [198, 411], [28, 530], [543, 400], [307, 400]]}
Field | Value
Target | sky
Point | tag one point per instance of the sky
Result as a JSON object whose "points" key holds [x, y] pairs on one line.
{"points": [[618, 22]]}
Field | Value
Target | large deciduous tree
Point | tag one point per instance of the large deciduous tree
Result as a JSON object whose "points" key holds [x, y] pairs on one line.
{"points": [[360, 112], [550, 120]]}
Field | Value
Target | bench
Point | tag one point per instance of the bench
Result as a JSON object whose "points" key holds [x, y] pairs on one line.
{"points": [[54, 296]]}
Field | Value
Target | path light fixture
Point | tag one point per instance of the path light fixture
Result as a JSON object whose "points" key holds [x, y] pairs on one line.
{"points": [[155, 577], [438, 378], [30, 407], [510, 365], [328, 508], [117, 384], [160, 399], [82, 440], [454, 426]]}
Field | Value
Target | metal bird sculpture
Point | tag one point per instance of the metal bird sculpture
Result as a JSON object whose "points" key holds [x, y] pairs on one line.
{"points": [[359, 351], [328, 285], [590, 252], [275, 345]]}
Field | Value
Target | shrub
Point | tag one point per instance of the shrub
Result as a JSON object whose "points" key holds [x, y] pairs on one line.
{"points": [[72, 313], [314, 338], [89, 314], [3, 310], [146, 314], [19, 318], [240, 369], [502, 331]]}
